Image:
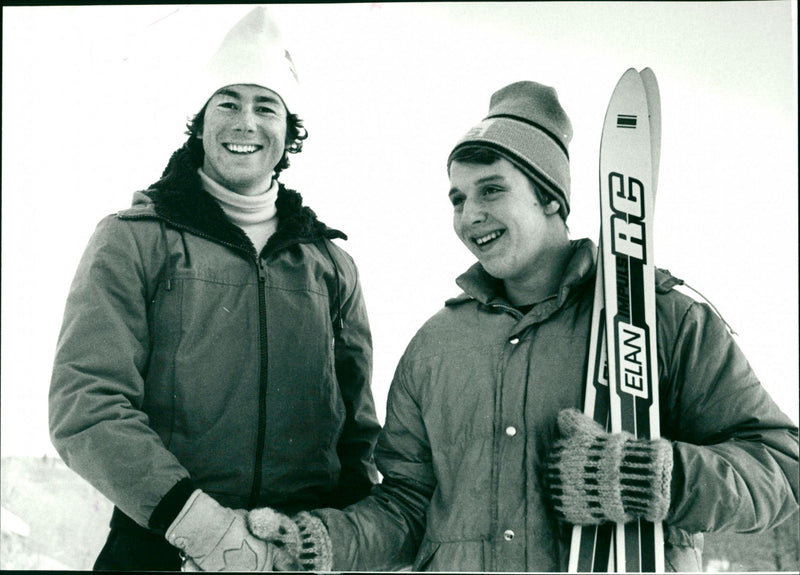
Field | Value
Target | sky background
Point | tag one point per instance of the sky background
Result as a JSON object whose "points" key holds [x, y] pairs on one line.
{"points": [[96, 98]]}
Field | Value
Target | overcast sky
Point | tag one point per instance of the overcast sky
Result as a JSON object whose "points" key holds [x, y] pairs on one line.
{"points": [[95, 100]]}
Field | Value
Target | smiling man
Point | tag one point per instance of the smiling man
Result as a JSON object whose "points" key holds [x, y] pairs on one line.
{"points": [[215, 354], [484, 456]]}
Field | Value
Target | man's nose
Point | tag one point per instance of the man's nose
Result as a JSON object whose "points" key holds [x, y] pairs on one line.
{"points": [[245, 120], [473, 212]]}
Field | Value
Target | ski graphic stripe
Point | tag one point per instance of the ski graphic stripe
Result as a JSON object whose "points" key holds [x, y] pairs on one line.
{"points": [[626, 121], [591, 545]]}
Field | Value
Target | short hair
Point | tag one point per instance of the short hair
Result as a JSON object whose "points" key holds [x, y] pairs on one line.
{"points": [[486, 156], [296, 133]]}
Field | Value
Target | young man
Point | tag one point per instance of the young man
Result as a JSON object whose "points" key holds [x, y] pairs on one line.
{"points": [[481, 427], [215, 354]]}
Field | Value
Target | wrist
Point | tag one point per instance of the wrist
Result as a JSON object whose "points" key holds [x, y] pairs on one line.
{"points": [[171, 505]]}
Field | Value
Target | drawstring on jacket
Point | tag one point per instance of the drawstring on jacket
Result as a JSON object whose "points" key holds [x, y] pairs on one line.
{"points": [[708, 301], [673, 281]]}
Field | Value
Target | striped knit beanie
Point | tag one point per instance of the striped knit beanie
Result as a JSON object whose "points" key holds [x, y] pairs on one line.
{"points": [[527, 125]]}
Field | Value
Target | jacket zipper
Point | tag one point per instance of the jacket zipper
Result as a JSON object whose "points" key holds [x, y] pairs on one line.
{"points": [[255, 492]]}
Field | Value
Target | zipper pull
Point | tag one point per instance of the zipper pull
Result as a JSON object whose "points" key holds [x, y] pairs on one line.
{"points": [[262, 270]]}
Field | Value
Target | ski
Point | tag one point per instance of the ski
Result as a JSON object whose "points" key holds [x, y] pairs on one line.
{"points": [[592, 545], [626, 207]]}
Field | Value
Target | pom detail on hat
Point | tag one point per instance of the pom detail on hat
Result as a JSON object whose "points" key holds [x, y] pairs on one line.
{"points": [[253, 52], [527, 125]]}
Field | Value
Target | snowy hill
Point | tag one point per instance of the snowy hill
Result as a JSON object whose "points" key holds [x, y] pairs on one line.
{"points": [[52, 519]]}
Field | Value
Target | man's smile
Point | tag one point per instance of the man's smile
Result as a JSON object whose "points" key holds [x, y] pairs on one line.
{"points": [[242, 148], [486, 239]]}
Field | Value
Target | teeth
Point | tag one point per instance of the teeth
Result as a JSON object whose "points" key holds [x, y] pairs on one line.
{"points": [[483, 240], [241, 148]]}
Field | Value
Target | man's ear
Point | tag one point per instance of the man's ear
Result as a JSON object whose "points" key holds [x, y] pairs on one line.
{"points": [[552, 208]]}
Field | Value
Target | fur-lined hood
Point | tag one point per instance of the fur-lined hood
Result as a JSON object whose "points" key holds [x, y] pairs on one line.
{"points": [[178, 197]]}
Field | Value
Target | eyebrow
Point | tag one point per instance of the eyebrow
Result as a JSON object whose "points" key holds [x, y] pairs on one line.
{"points": [[481, 181], [234, 94]]}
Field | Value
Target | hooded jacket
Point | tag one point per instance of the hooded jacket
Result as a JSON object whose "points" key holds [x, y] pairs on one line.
{"points": [[471, 416], [184, 354]]}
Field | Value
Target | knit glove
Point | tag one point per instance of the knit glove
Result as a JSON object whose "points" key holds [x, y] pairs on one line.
{"points": [[593, 476], [216, 538], [302, 538]]}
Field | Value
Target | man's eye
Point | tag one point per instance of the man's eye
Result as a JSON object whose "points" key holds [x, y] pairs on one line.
{"points": [[265, 110], [227, 105], [489, 190], [456, 201]]}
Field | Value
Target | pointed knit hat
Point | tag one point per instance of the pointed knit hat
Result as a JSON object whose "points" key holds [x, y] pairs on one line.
{"points": [[253, 52], [527, 125]]}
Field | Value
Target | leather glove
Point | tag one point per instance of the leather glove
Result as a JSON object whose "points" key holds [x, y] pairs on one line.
{"points": [[189, 565], [299, 540], [216, 538], [594, 476]]}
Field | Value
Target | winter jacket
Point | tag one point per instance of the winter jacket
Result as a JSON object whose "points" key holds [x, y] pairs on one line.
{"points": [[471, 415], [184, 354]]}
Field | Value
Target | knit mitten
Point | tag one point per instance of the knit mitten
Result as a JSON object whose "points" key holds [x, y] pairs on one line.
{"points": [[301, 539], [594, 476]]}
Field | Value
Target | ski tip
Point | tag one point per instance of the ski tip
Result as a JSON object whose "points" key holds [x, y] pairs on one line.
{"points": [[649, 75], [630, 78], [630, 72]]}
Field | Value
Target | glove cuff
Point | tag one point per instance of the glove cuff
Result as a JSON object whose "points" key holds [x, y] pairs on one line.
{"points": [[315, 543], [199, 526], [645, 475]]}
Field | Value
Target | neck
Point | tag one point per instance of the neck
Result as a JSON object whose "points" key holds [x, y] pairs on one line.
{"points": [[550, 267]]}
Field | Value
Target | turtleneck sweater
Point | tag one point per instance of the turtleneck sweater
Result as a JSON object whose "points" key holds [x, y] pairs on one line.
{"points": [[256, 215]]}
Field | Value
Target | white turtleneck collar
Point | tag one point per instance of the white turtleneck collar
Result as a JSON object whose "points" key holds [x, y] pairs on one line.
{"points": [[256, 215]]}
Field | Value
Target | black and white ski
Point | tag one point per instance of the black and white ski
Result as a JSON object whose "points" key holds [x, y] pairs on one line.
{"points": [[630, 150]]}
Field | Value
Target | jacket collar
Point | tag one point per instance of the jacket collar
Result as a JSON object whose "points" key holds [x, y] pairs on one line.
{"points": [[488, 290], [179, 198]]}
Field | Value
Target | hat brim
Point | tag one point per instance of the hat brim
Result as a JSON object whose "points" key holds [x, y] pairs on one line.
{"points": [[532, 151]]}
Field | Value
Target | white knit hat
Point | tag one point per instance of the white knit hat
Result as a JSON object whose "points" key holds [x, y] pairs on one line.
{"points": [[253, 52]]}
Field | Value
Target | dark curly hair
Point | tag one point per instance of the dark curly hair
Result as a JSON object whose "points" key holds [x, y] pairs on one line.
{"points": [[295, 135]]}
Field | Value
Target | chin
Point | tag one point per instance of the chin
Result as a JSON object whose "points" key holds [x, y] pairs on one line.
{"points": [[493, 270]]}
